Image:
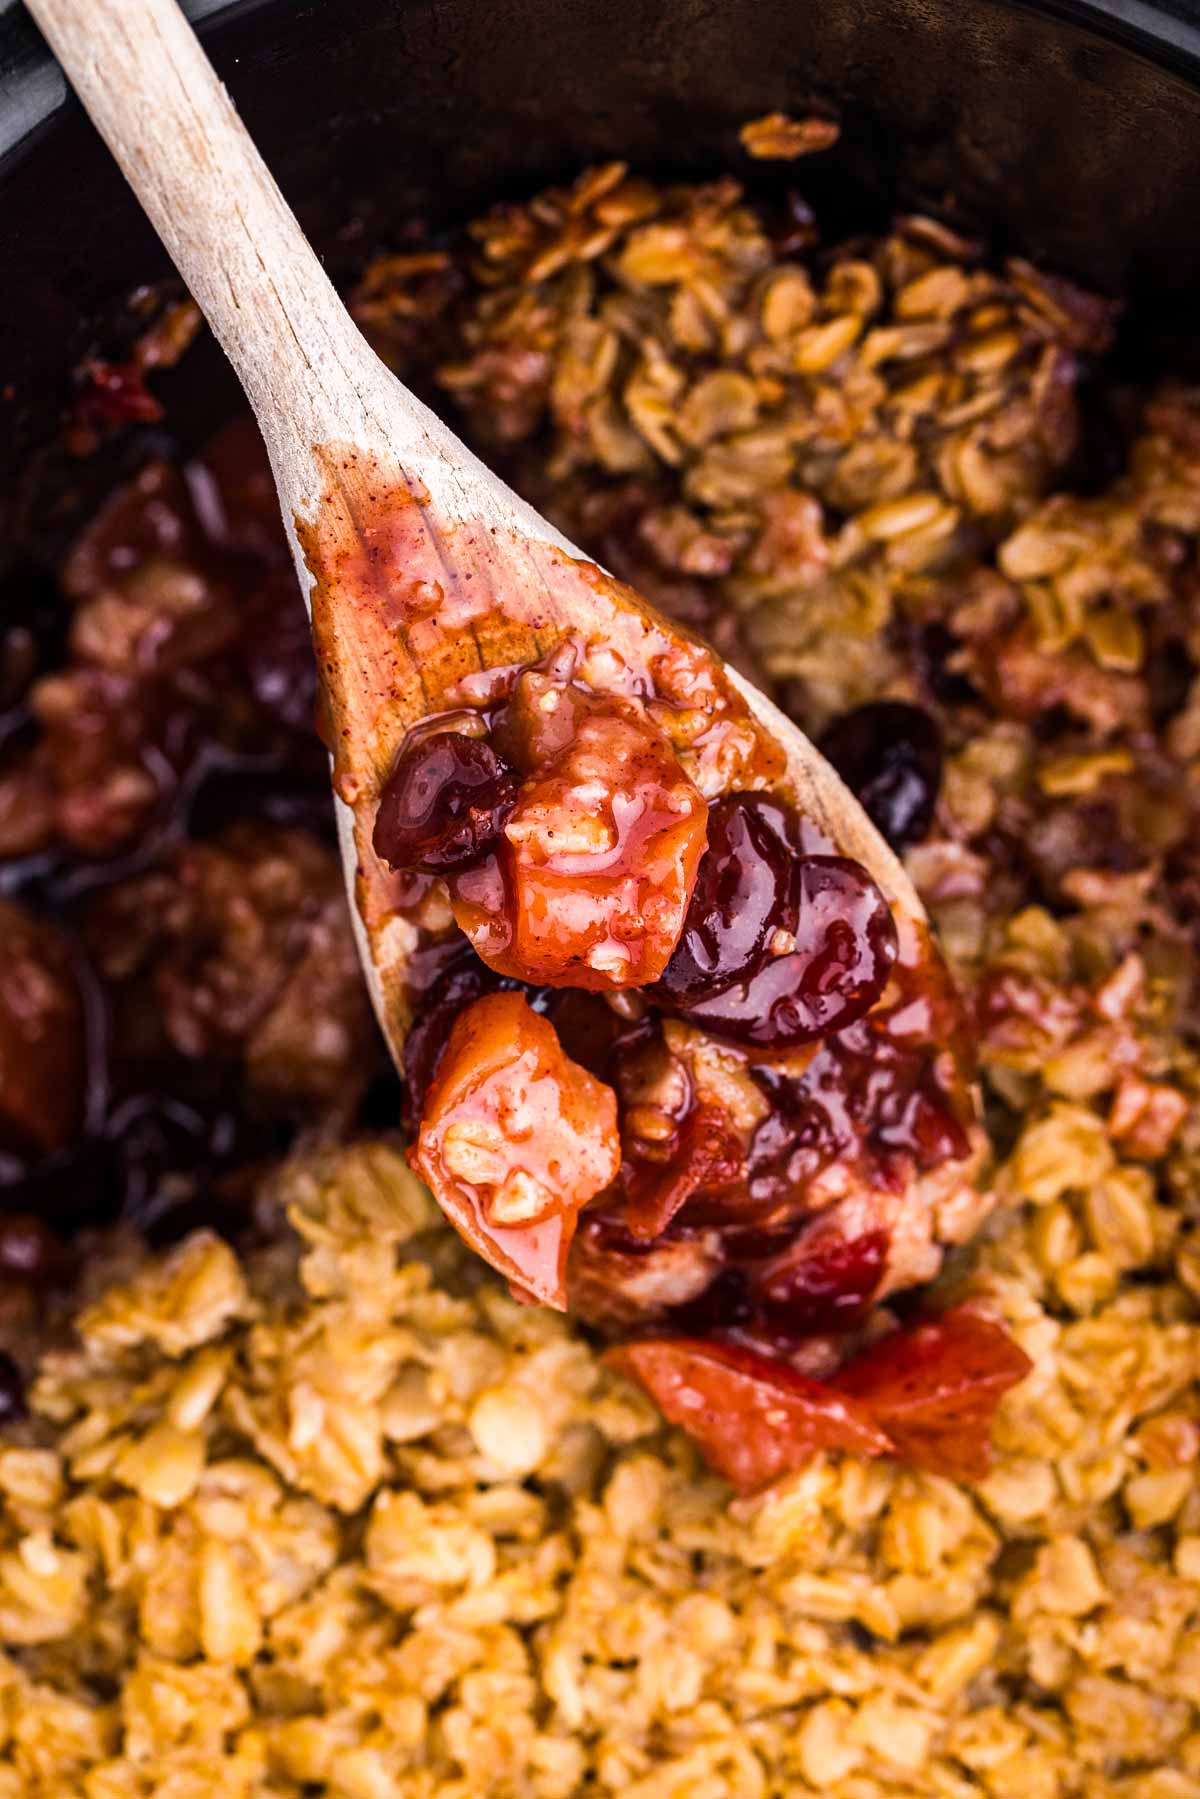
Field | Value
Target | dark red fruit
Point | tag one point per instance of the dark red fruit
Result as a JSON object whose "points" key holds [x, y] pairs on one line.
{"points": [[171, 1150], [752, 1417], [934, 1389], [778, 948], [866, 1090], [444, 804], [12, 1391], [890, 756], [823, 1280], [743, 894]]}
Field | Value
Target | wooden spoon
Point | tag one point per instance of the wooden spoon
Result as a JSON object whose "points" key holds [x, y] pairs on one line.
{"points": [[420, 567]]}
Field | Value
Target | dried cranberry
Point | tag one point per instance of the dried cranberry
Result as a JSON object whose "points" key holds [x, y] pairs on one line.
{"points": [[741, 898], [811, 1125], [12, 1391], [890, 755], [823, 1280], [868, 1092], [444, 804], [167, 1149], [778, 948]]}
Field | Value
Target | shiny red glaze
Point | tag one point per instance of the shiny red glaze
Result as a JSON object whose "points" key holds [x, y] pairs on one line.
{"points": [[822, 1281], [742, 895], [778, 948], [845, 948], [706, 1157], [515, 1138], [935, 1387], [590, 882], [881, 1093], [444, 804], [753, 1418]]}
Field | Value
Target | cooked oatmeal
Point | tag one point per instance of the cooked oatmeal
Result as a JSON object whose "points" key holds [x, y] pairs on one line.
{"points": [[340, 1516], [320, 1508]]}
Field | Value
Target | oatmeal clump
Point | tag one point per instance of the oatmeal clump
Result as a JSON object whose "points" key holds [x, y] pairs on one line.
{"points": [[340, 1516], [778, 445]]}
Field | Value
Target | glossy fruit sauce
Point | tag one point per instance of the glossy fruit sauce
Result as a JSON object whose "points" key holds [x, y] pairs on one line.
{"points": [[835, 1065], [743, 1097], [671, 1061]]}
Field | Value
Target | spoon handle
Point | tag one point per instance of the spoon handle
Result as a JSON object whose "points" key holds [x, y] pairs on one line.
{"points": [[151, 91]]}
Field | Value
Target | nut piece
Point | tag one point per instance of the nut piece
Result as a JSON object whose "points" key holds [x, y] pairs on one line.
{"points": [[515, 1139], [593, 877]]}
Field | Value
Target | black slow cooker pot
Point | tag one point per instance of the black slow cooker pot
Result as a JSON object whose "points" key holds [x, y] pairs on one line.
{"points": [[1068, 129]]}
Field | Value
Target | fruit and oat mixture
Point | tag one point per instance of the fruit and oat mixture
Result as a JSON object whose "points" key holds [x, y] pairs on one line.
{"points": [[675, 1060], [311, 1504]]}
